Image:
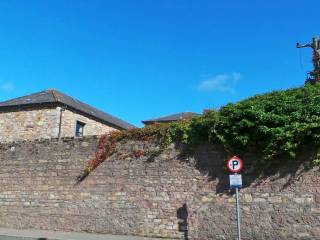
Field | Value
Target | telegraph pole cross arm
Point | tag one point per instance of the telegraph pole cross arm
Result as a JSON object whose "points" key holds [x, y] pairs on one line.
{"points": [[314, 75]]}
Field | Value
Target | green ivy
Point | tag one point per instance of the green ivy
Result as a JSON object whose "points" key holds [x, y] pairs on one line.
{"points": [[275, 124]]}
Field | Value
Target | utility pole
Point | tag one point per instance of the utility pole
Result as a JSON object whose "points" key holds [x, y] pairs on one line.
{"points": [[313, 76]]}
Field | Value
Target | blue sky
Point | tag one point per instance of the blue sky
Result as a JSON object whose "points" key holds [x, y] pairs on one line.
{"points": [[148, 58]]}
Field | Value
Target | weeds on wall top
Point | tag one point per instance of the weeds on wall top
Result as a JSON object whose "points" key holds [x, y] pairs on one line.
{"points": [[275, 124]]}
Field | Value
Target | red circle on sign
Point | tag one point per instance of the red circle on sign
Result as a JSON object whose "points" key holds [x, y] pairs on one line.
{"points": [[234, 164]]}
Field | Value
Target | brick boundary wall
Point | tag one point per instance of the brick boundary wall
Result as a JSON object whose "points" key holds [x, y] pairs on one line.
{"points": [[146, 196]]}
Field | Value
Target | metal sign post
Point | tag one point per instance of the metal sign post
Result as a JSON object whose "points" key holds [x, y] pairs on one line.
{"points": [[238, 213], [235, 165]]}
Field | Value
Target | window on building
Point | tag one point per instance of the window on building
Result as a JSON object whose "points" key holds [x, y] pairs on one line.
{"points": [[79, 128]]}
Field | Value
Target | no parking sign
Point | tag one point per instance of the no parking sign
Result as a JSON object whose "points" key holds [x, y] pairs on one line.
{"points": [[234, 164]]}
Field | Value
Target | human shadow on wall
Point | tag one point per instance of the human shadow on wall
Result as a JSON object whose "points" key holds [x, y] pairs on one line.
{"points": [[210, 160], [182, 215]]}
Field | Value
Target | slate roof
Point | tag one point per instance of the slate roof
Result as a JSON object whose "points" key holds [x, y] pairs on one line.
{"points": [[172, 118], [51, 96]]}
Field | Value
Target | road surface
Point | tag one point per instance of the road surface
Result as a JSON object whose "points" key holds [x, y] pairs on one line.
{"points": [[14, 234]]}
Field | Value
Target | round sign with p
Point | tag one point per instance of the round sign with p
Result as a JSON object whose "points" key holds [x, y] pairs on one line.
{"points": [[234, 164]]}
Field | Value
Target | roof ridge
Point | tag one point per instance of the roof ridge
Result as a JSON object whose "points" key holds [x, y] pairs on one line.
{"points": [[172, 117], [52, 96]]}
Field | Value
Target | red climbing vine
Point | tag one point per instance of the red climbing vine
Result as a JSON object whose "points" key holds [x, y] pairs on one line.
{"points": [[107, 145]]}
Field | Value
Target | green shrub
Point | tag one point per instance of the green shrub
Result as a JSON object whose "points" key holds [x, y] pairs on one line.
{"points": [[276, 123]]}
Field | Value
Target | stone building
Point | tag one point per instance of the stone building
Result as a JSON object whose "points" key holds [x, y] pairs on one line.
{"points": [[52, 114]]}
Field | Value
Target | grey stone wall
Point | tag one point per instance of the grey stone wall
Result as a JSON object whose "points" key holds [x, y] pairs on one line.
{"points": [[29, 124], [145, 196], [44, 123], [92, 127]]}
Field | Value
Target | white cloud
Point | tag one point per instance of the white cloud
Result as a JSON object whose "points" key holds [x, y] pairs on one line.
{"points": [[7, 87], [221, 83]]}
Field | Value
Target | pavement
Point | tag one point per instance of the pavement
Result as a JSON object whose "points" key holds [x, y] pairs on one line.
{"points": [[14, 234]]}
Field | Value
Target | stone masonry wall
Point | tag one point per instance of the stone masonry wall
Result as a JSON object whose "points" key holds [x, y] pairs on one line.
{"points": [[146, 196], [91, 127], [29, 124], [44, 123]]}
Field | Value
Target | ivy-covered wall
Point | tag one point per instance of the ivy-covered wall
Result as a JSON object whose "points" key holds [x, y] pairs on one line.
{"points": [[176, 194]]}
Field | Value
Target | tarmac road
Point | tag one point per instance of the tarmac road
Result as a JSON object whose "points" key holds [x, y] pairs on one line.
{"points": [[14, 234], [20, 238]]}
